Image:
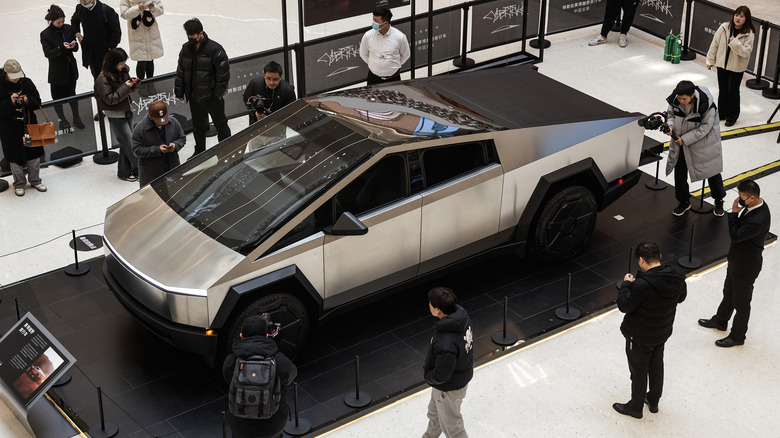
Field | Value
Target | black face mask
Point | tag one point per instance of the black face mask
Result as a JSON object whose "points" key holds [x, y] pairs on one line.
{"points": [[192, 42], [742, 202]]}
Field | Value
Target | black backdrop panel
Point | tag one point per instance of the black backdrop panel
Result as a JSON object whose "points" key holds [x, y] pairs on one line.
{"points": [[80, 141], [324, 11], [706, 20], [501, 22], [771, 52], [446, 37], [658, 17], [571, 14], [334, 63]]}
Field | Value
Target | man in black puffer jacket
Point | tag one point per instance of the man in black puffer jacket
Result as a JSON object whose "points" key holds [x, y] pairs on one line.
{"points": [[649, 302], [449, 364], [256, 340], [202, 78]]}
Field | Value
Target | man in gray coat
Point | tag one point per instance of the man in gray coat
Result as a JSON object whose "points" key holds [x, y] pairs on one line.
{"points": [[695, 149], [157, 140]]}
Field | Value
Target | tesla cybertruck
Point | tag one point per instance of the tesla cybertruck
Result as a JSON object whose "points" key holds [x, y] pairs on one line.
{"points": [[345, 197]]}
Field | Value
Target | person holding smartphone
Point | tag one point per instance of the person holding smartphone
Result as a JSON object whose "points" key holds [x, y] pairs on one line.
{"points": [[59, 44], [157, 140]]}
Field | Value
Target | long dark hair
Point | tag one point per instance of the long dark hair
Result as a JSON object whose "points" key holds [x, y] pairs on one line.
{"points": [[748, 26], [110, 61], [54, 13]]}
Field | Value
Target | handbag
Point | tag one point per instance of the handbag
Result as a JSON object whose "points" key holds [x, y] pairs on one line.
{"points": [[41, 134]]}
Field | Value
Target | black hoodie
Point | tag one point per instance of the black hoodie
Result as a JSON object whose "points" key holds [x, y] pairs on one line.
{"points": [[285, 370], [449, 364], [650, 302]]}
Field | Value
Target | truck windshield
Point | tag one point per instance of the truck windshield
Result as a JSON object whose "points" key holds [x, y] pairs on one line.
{"points": [[244, 188]]}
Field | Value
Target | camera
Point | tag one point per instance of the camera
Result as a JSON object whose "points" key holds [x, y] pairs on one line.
{"points": [[258, 103], [656, 121]]}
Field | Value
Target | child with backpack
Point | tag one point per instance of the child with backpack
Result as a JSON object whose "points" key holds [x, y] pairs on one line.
{"points": [[258, 374]]}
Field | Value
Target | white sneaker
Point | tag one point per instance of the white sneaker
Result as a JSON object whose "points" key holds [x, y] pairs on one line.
{"points": [[40, 188], [622, 41], [19, 192], [598, 40]]}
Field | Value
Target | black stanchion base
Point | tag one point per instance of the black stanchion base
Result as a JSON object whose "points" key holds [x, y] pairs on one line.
{"points": [[690, 55], [535, 43], [771, 93], [362, 400], [303, 427], [462, 62], [108, 158], [756, 84], [65, 378], [75, 271], [656, 185], [498, 338], [110, 430], [567, 315], [689, 263]]}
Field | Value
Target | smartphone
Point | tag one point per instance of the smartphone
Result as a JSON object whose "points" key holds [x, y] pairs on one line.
{"points": [[134, 80]]}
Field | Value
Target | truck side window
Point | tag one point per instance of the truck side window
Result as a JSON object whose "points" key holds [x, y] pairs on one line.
{"points": [[382, 184], [448, 162]]}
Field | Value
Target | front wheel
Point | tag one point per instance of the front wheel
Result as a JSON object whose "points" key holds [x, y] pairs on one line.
{"points": [[564, 225], [283, 308]]}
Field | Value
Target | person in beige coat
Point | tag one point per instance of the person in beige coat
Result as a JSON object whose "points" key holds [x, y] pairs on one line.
{"points": [[143, 33], [730, 52]]}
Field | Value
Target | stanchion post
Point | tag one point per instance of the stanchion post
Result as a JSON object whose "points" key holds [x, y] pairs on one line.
{"points": [[16, 305], [773, 93], [689, 261], [360, 398], [701, 208], [299, 426], [502, 338], [687, 55], [463, 61], [758, 83], [107, 430], [567, 313], [540, 42], [105, 156], [656, 184], [74, 269], [224, 423]]}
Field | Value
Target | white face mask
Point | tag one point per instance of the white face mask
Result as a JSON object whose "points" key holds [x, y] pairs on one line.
{"points": [[375, 25], [89, 6]]}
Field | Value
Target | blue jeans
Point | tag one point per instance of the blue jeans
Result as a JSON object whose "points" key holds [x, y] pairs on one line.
{"points": [[128, 163]]}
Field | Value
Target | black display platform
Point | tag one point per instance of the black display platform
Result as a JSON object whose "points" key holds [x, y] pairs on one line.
{"points": [[152, 390]]}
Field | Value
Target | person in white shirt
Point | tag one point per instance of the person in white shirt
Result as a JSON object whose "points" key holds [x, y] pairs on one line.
{"points": [[384, 48]]}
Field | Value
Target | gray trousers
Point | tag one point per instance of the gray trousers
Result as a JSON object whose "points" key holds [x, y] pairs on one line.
{"points": [[33, 167], [444, 414]]}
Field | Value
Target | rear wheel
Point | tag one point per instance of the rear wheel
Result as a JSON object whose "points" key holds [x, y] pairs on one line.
{"points": [[283, 308], [564, 225]]}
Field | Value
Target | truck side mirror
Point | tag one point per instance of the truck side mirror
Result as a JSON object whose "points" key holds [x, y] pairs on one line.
{"points": [[347, 225]]}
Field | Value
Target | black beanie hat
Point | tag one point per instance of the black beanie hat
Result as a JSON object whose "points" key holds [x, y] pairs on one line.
{"points": [[255, 325]]}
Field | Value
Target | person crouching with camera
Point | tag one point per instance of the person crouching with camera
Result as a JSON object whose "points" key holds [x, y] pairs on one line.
{"points": [[157, 140], [269, 93]]}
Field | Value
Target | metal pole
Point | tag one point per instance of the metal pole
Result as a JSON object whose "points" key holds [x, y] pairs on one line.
{"points": [[75, 252], [686, 55], [301, 85], [690, 247], [506, 304], [100, 407], [412, 57], [430, 38], [285, 40], [357, 377], [758, 83], [525, 23], [568, 294]]}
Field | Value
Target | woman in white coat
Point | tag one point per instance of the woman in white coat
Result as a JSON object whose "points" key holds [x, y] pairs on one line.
{"points": [[143, 33], [730, 52]]}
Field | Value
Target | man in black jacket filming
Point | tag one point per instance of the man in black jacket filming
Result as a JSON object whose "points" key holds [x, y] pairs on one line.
{"points": [[449, 364], [202, 78], [257, 340], [649, 302]]}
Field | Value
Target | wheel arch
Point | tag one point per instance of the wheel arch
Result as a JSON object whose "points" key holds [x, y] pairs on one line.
{"points": [[584, 173]]}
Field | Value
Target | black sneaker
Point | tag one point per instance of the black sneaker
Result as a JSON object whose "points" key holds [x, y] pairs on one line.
{"points": [[682, 208], [718, 209]]}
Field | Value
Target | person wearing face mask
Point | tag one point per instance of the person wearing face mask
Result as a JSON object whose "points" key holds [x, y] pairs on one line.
{"points": [[202, 79], [749, 222], [384, 48], [101, 32], [18, 101], [58, 41], [730, 52]]}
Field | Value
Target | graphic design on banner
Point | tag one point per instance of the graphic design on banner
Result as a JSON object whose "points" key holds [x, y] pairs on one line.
{"points": [[501, 22], [658, 17], [351, 52], [661, 8]]}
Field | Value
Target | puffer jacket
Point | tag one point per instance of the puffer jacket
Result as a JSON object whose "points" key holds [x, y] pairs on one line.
{"points": [[145, 41], [741, 48], [112, 93], [204, 74], [449, 364], [700, 133]]}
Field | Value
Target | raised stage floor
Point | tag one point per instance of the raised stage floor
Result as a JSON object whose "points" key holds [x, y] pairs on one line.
{"points": [[151, 389]]}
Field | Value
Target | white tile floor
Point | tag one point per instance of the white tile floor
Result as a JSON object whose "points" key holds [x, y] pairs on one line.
{"points": [[563, 386]]}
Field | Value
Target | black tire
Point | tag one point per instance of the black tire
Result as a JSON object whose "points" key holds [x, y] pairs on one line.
{"points": [[564, 226], [283, 308]]}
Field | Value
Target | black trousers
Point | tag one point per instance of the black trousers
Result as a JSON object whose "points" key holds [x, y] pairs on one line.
{"points": [[646, 364], [737, 295], [681, 191], [728, 93], [144, 69], [61, 92], [372, 79], [613, 10], [214, 107]]}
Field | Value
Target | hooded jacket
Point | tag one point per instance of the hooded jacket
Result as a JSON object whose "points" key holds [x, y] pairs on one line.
{"points": [[145, 41], [650, 303], [204, 74], [449, 364], [700, 133], [285, 370], [741, 48]]}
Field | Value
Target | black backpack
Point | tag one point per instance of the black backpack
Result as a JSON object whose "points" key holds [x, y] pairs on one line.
{"points": [[255, 390]]}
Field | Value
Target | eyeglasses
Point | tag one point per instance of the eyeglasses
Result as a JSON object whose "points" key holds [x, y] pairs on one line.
{"points": [[272, 79]]}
